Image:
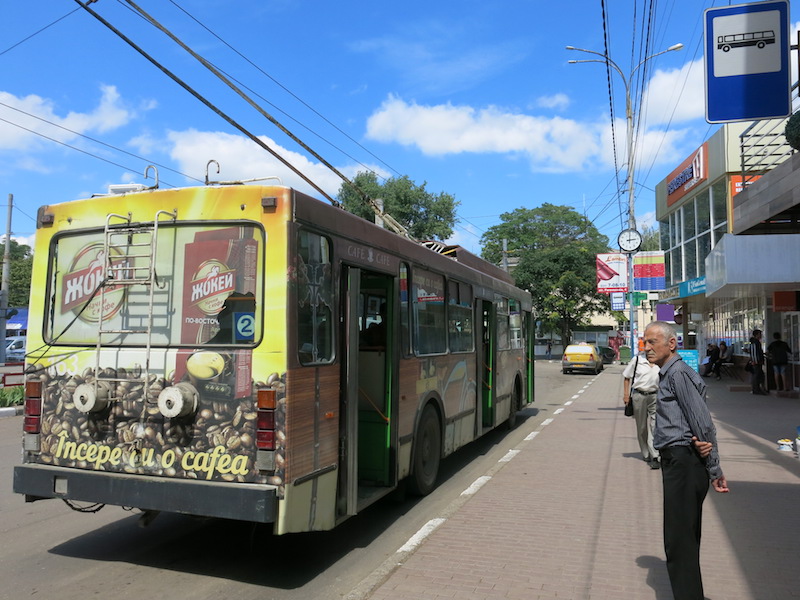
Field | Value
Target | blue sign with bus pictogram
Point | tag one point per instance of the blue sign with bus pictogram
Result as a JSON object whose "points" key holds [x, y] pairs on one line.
{"points": [[747, 66]]}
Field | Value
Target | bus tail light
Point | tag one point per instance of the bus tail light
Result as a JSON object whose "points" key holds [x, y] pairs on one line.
{"points": [[32, 422], [265, 421]]}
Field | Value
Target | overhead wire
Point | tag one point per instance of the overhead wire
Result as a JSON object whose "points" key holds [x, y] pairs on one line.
{"points": [[86, 152], [204, 100], [287, 90], [96, 141]]}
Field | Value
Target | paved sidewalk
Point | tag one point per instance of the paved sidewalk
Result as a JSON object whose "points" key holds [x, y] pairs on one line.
{"points": [[576, 513]]}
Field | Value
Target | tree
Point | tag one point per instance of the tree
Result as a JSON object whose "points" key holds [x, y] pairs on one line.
{"points": [[427, 216], [556, 248], [19, 273], [650, 239]]}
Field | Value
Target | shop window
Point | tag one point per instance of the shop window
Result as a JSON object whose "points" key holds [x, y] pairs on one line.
{"points": [[719, 203], [703, 249], [690, 256], [663, 230], [689, 221], [703, 212]]}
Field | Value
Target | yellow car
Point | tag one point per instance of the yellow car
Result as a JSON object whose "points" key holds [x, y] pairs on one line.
{"points": [[581, 357]]}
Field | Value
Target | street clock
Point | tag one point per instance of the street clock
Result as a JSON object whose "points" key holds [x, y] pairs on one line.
{"points": [[629, 240]]}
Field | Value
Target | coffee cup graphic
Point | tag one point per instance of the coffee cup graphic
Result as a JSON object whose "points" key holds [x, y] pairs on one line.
{"points": [[205, 365]]}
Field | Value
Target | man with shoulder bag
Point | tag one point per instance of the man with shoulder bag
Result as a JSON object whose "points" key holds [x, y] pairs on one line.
{"points": [[640, 385]]}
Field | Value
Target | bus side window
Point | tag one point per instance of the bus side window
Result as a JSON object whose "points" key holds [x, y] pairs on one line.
{"points": [[502, 323], [314, 299], [430, 326], [459, 316]]}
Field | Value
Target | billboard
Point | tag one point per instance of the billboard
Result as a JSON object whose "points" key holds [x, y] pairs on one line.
{"points": [[612, 272]]}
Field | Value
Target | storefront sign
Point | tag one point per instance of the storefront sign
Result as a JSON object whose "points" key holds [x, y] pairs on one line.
{"points": [[690, 172], [693, 287], [785, 301]]}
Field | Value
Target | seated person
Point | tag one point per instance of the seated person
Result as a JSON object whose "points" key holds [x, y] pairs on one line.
{"points": [[713, 359], [725, 356]]}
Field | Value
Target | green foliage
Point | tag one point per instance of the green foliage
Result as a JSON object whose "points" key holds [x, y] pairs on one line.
{"points": [[792, 131], [556, 248], [19, 273], [427, 216], [651, 239], [11, 396]]}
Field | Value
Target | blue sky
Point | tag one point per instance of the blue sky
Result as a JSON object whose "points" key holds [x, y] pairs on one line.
{"points": [[475, 98]]}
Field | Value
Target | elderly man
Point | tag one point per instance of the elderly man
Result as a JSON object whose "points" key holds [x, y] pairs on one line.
{"points": [[687, 440]]}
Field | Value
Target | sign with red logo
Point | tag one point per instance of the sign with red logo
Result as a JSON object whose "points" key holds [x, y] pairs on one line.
{"points": [[81, 285]]}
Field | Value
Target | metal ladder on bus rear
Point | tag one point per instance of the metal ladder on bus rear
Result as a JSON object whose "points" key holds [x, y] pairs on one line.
{"points": [[135, 246]]}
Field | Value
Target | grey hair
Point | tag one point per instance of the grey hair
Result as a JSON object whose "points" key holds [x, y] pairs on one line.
{"points": [[666, 329]]}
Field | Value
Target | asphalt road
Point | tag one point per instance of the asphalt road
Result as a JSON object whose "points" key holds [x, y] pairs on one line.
{"points": [[52, 552]]}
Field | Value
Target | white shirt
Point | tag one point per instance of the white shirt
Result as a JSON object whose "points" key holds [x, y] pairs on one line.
{"points": [[646, 379]]}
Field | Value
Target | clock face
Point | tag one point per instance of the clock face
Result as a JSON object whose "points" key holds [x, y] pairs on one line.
{"points": [[629, 240]]}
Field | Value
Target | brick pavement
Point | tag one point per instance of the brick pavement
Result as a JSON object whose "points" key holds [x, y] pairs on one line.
{"points": [[576, 514]]}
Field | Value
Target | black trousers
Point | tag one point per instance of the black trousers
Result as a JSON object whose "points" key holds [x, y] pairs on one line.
{"points": [[685, 487]]}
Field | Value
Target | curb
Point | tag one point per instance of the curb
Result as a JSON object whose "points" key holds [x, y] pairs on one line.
{"points": [[11, 411]]}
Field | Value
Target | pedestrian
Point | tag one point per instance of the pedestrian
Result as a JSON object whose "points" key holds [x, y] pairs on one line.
{"points": [[687, 440], [640, 384], [549, 349], [757, 363], [779, 352]]}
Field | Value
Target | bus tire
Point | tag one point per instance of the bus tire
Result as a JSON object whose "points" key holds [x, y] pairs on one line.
{"points": [[515, 407], [427, 453]]}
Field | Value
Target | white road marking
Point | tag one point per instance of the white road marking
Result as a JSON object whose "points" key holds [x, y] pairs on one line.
{"points": [[476, 485], [415, 540], [509, 455], [531, 435], [546, 422], [558, 411], [568, 402]]}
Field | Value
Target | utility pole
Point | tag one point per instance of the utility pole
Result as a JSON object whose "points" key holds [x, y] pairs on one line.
{"points": [[4, 285]]}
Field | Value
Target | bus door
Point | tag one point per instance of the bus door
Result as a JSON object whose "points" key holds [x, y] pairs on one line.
{"points": [[487, 359], [530, 345], [368, 404]]}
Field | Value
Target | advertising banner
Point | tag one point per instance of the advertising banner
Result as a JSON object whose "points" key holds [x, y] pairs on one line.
{"points": [[649, 271], [612, 273]]}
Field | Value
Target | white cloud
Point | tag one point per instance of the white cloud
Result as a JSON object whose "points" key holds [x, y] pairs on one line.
{"points": [[556, 101], [552, 144], [675, 95], [240, 158], [109, 114]]}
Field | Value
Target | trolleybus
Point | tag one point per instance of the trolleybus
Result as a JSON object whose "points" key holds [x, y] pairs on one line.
{"points": [[249, 352]]}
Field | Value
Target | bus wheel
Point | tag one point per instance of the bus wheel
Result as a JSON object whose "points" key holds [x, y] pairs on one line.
{"points": [[427, 453], [512, 415]]}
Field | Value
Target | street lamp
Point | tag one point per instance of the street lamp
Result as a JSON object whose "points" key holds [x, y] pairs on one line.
{"points": [[631, 231]]}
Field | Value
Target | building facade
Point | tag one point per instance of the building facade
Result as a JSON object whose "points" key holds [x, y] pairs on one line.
{"points": [[732, 246]]}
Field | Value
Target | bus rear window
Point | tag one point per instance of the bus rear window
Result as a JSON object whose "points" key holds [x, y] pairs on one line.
{"points": [[206, 285]]}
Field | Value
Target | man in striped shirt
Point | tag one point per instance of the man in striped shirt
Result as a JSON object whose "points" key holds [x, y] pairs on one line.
{"points": [[686, 438]]}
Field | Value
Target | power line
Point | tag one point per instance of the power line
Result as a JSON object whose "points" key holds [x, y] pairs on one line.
{"points": [[115, 148], [288, 91], [34, 34], [111, 162]]}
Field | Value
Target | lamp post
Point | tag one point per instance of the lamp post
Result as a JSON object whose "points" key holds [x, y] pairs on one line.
{"points": [[631, 233]]}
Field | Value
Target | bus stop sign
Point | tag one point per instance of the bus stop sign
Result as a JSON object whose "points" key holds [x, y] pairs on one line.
{"points": [[747, 62]]}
